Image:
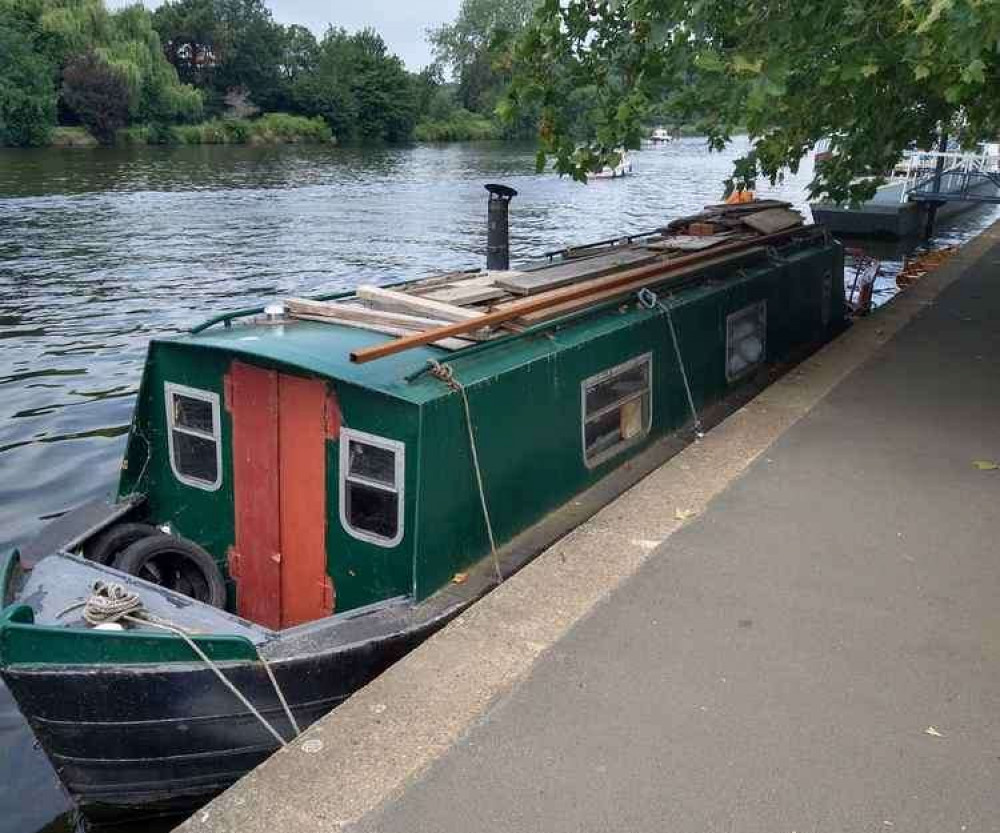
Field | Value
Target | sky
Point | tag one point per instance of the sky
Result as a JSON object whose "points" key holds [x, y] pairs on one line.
{"points": [[402, 23]]}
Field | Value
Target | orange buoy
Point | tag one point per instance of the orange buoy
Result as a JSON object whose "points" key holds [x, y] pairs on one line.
{"points": [[739, 197]]}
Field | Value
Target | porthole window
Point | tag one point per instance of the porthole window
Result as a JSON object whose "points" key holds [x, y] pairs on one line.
{"points": [[617, 409], [746, 340], [371, 487], [193, 436]]}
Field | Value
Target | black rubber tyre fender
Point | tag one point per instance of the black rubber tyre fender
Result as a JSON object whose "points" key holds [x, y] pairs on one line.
{"points": [[114, 540], [178, 564]]}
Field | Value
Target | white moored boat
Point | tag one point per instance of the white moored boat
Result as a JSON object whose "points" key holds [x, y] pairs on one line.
{"points": [[623, 168]]}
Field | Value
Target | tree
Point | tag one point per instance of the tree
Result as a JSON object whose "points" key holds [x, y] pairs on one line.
{"points": [[189, 32], [873, 76], [477, 48], [382, 88], [59, 30], [299, 53], [27, 86], [220, 45], [97, 94], [362, 91], [132, 46], [252, 51]]}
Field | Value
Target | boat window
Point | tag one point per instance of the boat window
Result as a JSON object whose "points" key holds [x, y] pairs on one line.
{"points": [[746, 340], [193, 436], [371, 487], [617, 409]]}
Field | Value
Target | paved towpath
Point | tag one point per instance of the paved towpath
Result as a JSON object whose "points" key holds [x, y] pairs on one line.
{"points": [[819, 651]]}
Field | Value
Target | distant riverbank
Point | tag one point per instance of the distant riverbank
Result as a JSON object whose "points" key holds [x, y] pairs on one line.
{"points": [[270, 129]]}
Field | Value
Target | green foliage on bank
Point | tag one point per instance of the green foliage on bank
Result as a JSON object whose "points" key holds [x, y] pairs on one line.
{"points": [[71, 137], [269, 129], [478, 49], [200, 71], [460, 126], [112, 61], [27, 94]]}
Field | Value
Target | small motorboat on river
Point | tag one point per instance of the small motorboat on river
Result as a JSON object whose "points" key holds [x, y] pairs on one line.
{"points": [[623, 167], [312, 488]]}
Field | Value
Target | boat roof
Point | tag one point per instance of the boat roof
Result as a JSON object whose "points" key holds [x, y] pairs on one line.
{"points": [[324, 350], [320, 349], [319, 336]]}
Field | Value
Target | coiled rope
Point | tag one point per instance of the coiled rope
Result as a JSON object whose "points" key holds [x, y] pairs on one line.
{"points": [[650, 300], [111, 602], [446, 374]]}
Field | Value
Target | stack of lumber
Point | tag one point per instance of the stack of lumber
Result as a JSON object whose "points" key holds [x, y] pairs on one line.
{"points": [[388, 311], [455, 309], [758, 217], [665, 273]]}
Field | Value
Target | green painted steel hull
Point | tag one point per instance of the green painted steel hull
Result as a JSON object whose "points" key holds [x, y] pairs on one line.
{"points": [[524, 397], [525, 402], [527, 411]]}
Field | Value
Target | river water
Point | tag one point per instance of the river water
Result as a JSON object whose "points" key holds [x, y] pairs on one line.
{"points": [[100, 250]]}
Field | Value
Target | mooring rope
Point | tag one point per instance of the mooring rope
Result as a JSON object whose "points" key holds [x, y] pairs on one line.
{"points": [[446, 374], [111, 602], [649, 300]]}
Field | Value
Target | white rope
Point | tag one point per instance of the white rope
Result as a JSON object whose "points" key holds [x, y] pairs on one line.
{"points": [[649, 299], [446, 374], [113, 602], [225, 680]]}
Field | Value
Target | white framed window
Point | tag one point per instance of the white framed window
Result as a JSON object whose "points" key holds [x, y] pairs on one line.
{"points": [[194, 436], [371, 487], [746, 340], [617, 408]]}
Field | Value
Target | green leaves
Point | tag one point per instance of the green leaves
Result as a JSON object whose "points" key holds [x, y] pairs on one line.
{"points": [[709, 61], [743, 65], [975, 72], [872, 76], [937, 9]]}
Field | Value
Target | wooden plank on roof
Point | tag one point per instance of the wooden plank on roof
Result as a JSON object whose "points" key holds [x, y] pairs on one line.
{"points": [[358, 312], [556, 296], [690, 242], [746, 207], [450, 343], [628, 289], [422, 284], [772, 220], [464, 293], [395, 301], [560, 274]]}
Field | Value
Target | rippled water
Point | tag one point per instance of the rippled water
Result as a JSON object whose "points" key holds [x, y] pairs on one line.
{"points": [[101, 250]]}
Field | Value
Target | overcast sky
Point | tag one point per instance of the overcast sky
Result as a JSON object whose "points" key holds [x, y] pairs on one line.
{"points": [[403, 23]]}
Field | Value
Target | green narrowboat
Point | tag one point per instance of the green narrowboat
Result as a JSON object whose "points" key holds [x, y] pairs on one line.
{"points": [[293, 518]]}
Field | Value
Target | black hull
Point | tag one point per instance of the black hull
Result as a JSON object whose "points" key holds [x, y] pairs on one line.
{"points": [[162, 739]]}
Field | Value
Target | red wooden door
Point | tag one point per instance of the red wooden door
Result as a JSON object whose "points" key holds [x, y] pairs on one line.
{"points": [[278, 559], [306, 590]]}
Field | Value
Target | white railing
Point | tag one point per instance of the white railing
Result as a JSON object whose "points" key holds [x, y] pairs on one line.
{"points": [[919, 165]]}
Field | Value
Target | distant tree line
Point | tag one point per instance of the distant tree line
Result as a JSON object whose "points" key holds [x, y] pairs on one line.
{"points": [[206, 70]]}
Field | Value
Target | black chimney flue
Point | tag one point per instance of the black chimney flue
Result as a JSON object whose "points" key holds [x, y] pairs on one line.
{"points": [[498, 229]]}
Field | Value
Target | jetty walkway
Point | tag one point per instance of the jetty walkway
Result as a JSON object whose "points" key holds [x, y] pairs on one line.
{"points": [[794, 625]]}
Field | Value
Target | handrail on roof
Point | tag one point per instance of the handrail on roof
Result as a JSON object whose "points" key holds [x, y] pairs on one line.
{"points": [[227, 317]]}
